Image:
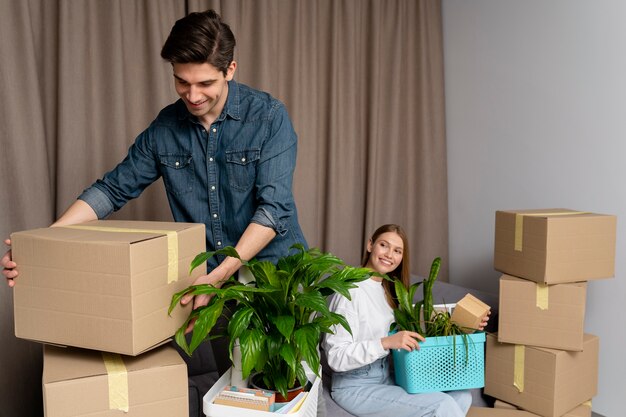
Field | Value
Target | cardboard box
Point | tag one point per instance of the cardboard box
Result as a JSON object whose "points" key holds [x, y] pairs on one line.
{"points": [[583, 410], [535, 314], [497, 412], [555, 245], [81, 382], [543, 381], [104, 285], [469, 313]]}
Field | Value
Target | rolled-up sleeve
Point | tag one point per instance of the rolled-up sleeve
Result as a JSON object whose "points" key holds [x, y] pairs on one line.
{"points": [[126, 181], [274, 180]]}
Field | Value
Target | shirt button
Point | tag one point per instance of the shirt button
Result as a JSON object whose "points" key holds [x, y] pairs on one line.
{"points": [[242, 160], [219, 243], [177, 163], [214, 130], [213, 188], [210, 159], [215, 216]]}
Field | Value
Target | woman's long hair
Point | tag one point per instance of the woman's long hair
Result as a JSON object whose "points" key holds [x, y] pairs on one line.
{"points": [[402, 272]]}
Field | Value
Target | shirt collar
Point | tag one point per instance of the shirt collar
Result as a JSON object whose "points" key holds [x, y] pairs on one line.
{"points": [[231, 108]]}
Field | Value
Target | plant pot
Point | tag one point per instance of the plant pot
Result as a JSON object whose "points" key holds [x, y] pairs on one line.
{"points": [[256, 381]]}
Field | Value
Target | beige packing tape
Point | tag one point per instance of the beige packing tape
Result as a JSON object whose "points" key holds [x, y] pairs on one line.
{"points": [[118, 381], [518, 367], [519, 224], [542, 296], [172, 244]]}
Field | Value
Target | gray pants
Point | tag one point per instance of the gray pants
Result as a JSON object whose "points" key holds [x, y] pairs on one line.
{"points": [[370, 391]]}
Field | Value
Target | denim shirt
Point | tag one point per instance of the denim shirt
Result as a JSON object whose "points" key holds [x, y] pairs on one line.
{"points": [[238, 172]]}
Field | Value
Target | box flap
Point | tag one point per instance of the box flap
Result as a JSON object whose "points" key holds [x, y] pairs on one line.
{"points": [[63, 364]]}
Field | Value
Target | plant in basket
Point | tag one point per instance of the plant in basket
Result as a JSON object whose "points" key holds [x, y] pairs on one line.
{"points": [[413, 370], [279, 317]]}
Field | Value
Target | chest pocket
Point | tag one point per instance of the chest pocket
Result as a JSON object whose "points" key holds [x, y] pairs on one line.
{"points": [[177, 172], [241, 166]]}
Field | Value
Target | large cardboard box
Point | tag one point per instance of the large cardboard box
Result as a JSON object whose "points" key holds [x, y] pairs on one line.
{"points": [[543, 315], [543, 381], [81, 382], [583, 410], [104, 285], [555, 245]]}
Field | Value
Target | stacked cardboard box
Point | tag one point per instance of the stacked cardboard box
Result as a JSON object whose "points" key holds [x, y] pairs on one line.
{"points": [[104, 287], [541, 361]]}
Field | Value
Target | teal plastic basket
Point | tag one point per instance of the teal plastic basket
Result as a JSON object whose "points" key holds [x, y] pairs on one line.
{"points": [[442, 364]]}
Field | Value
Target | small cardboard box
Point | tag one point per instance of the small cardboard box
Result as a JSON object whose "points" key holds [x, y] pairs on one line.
{"points": [[551, 316], [555, 245], [543, 381], [469, 313], [104, 285], [81, 382], [583, 410]]}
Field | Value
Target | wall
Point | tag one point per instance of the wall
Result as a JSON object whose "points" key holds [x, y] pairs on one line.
{"points": [[535, 94]]}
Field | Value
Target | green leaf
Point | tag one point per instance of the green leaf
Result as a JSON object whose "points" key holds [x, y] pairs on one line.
{"points": [[207, 317], [265, 272], [239, 321], [307, 338], [284, 324], [180, 339], [313, 301], [288, 353], [251, 343], [201, 258]]}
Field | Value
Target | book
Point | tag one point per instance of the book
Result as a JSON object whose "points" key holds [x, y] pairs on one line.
{"points": [[294, 405], [254, 399]]}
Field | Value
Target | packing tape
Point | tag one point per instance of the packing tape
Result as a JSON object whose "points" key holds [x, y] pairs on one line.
{"points": [[519, 224], [542, 296], [118, 381], [587, 403], [172, 244], [518, 367]]}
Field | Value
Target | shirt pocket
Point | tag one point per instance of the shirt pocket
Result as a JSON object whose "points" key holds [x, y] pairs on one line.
{"points": [[177, 172], [241, 166]]}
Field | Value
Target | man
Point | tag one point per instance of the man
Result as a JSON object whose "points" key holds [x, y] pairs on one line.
{"points": [[226, 153]]}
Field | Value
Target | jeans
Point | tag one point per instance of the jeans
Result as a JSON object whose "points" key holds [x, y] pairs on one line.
{"points": [[370, 391]]}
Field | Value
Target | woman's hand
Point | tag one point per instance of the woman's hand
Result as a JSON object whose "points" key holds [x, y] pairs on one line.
{"points": [[404, 339], [485, 321]]}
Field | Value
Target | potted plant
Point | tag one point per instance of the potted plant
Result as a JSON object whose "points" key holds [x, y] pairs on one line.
{"points": [[279, 317], [414, 370]]}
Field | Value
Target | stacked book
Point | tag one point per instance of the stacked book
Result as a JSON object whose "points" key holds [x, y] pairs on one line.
{"points": [[541, 360]]}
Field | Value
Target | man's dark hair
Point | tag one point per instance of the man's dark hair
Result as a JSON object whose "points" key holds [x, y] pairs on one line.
{"points": [[200, 37]]}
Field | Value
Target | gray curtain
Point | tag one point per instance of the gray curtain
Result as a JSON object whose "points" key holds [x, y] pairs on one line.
{"points": [[362, 80]]}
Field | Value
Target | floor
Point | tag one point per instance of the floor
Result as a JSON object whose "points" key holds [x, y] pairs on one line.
{"points": [[596, 415]]}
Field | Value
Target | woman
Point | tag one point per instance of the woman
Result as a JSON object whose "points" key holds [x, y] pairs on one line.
{"points": [[362, 383]]}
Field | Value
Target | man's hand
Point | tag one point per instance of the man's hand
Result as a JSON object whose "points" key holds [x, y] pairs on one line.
{"points": [[215, 278], [8, 266], [402, 340]]}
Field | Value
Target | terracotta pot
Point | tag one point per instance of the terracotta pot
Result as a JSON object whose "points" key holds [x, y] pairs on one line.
{"points": [[256, 381]]}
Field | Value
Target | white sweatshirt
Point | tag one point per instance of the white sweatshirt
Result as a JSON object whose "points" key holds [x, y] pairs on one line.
{"points": [[369, 316]]}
